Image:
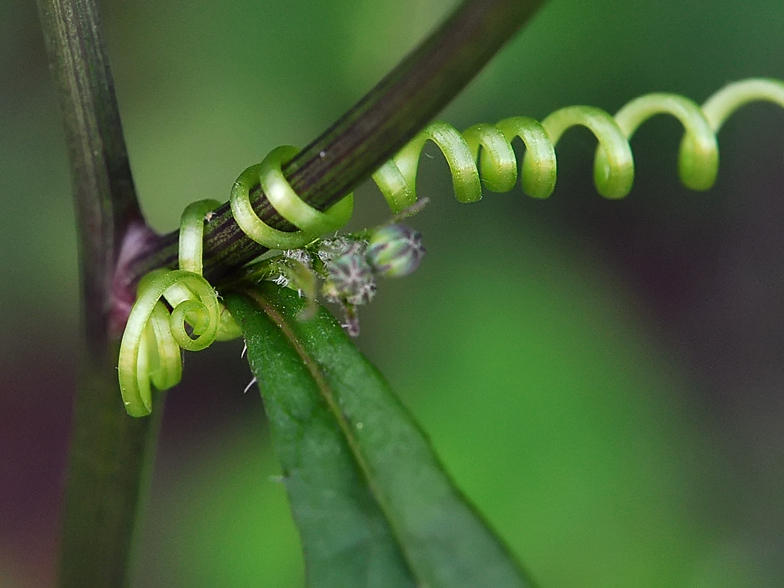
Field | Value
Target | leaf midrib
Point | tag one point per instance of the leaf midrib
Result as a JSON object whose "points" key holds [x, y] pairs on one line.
{"points": [[325, 391]]}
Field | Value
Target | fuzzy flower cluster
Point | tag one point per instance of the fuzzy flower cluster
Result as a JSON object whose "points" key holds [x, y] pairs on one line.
{"points": [[350, 265]]}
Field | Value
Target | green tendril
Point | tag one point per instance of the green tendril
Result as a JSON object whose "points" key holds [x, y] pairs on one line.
{"points": [[192, 234], [150, 352], [150, 348], [311, 223], [491, 146]]}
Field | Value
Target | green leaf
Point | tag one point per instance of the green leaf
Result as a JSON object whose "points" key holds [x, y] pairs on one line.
{"points": [[372, 502]]}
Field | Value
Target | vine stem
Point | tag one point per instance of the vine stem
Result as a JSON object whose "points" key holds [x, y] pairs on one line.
{"points": [[110, 452], [378, 126]]}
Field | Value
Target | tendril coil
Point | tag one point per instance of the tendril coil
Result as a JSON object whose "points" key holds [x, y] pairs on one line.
{"points": [[481, 155], [153, 337], [491, 145]]}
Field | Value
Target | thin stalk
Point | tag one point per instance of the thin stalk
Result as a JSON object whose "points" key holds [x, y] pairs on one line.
{"points": [[109, 451], [368, 134]]}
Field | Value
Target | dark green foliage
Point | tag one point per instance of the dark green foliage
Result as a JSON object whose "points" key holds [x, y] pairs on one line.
{"points": [[372, 502]]}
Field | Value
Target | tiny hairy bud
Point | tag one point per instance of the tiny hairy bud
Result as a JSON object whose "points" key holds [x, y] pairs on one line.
{"points": [[395, 250], [299, 255], [350, 279]]}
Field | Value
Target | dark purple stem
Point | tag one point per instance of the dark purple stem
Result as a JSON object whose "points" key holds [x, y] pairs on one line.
{"points": [[368, 134]]}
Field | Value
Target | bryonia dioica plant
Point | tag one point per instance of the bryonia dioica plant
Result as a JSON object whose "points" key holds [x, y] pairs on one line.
{"points": [[371, 500]]}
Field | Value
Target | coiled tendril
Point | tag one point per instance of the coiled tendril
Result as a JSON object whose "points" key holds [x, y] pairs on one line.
{"points": [[151, 343], [311, 223], [613, 165], [150, 349]]}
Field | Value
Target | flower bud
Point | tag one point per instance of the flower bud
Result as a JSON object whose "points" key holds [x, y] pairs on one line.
{"points": [[395, 250], [350, 278]]}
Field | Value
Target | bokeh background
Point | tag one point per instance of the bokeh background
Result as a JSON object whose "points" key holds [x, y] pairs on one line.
{"points": [[603, 379]]}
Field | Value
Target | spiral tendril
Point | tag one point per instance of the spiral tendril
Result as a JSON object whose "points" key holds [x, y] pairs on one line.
{"points": [[483, 154], [150, 347], [491, 145], [311, 223]]}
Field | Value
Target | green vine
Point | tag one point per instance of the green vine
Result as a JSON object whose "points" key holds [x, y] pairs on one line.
{"points": [[150, 350]]}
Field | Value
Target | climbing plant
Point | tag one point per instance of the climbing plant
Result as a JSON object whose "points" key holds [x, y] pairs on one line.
{"points": [[372, 502]]}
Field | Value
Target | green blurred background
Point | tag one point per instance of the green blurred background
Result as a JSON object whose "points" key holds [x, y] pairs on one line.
{"points": [[603, 379]]}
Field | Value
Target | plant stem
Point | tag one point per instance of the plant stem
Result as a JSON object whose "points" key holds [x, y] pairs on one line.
{"points": [[371, 132], [108, 454], [110, 451]]}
